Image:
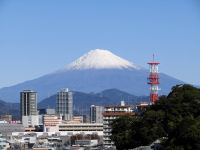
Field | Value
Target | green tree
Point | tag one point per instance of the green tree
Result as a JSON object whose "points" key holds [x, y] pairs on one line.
{"points": [[122, 138], [175, 119]]}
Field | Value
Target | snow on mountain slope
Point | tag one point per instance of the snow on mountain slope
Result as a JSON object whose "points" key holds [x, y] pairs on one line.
{"points": [[95, 71], [100, 59]]}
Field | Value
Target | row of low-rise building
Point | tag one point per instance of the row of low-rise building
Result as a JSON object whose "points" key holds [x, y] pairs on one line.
{"points": [[111, 113], [62, 120]]}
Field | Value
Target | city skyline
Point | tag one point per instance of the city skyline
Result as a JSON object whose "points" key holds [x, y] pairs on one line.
{"points": [[38, 38]]}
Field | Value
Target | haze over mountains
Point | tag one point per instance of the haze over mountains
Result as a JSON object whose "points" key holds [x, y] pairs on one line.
{"points": [[93, 72]]}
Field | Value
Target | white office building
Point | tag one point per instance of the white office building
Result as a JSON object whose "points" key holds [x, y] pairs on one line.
{"points": [[64, 104], [30, 121], [111, 113]]}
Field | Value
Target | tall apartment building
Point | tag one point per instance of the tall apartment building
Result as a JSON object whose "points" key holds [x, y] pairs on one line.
{"points": [[28, 103], [28, 108], [64, 104], [112, 112], [96, 114]]}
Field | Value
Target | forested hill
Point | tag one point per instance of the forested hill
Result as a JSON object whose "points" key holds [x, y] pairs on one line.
{"points": [[83, 101], [10, 108], [174, 119]]}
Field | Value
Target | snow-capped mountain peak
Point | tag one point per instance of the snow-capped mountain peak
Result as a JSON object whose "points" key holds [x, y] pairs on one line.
{"points": [[100, 59]]}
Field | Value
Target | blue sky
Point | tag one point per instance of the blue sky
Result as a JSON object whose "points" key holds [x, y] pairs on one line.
{"points": [[39, 37]]}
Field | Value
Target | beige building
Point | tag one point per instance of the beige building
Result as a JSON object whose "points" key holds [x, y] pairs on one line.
{"points": [[141, 107], [86, 128], [110, 113], [7, 118], [51, 123]]}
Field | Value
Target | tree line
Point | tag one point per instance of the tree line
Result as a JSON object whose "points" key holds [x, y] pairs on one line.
{"points": [[173, 119]]}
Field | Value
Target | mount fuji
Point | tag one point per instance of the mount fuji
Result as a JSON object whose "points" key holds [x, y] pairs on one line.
{"points": [[93, 72], [100, 59]]}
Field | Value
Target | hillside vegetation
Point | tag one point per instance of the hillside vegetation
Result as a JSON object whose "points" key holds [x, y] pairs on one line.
{"points": [[10, 109], [174, 119], [83, 101]]}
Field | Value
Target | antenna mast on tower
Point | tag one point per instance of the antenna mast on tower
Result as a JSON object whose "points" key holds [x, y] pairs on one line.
{"points": [[153, 81]]}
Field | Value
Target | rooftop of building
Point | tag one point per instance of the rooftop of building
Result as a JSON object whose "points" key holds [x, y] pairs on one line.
{"points": [[142, 104], [117, 113], [119, 106]]}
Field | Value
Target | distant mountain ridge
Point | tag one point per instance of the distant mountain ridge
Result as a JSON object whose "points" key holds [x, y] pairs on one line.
{"points": [[93, 72], [10, 108], [81, 101]]}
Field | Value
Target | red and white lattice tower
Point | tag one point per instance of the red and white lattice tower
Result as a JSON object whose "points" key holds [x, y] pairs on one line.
{"points": [[153, 81]]}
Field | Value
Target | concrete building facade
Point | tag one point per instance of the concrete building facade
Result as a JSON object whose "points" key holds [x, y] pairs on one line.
{"points": [[64, 104], [141, 107], [7, 118], [51, 123], [110, 113], [86, 128], [6, 128], [96, 114], [47, 111], [30, 121], [28, 103]]}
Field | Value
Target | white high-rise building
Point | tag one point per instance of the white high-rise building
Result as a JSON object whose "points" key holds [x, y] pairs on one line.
{"points": [[111, 113], [64, 104]]}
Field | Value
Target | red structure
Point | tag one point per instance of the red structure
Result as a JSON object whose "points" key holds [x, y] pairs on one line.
{"points": [[153, 81]]}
